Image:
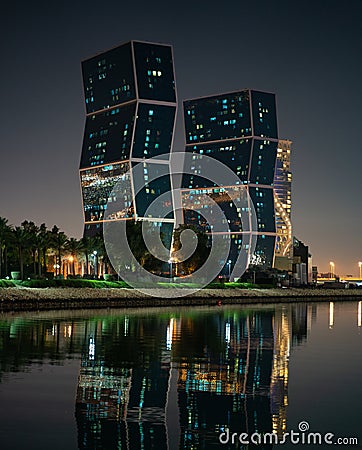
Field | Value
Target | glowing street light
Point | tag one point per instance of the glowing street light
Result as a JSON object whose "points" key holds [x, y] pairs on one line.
{"points": [[95, 263], [56, 269], [360, 269], [170, 261], [71, 262], [229, 268], [331, 269]]}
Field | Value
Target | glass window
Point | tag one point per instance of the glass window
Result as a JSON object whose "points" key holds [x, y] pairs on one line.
{"points": [[108, 79], [154, 68], [107, 136]]}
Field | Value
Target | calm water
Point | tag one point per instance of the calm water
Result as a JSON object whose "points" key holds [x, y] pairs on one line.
{"points": [[177, 378]]}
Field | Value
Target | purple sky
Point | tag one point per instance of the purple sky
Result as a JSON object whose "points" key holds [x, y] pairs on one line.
{"points": [[308, 53]]}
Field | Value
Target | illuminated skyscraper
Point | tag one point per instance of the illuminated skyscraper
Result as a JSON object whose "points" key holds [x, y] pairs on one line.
{"points": [[283, 200], [238, 129], [131, 103]]}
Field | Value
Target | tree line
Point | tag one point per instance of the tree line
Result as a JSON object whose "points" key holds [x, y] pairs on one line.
{"points": [[38, 252], [27, 248]]}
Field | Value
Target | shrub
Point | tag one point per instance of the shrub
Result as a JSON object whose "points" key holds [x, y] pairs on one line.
{"points": [[72, 283], [7, 283]]}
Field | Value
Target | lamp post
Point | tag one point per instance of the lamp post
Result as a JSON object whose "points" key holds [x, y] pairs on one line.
{"points": [[56, 268], [170, 261], [95, 264], [331, 267], [71, 260], [229, 268], [360, 269]]}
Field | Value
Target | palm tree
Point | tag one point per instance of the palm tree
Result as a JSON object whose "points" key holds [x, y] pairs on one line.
{"points": [[44, 244], [32, 230], [92, 246], [21, 241], [5, 237], [59, 239], [85, 247], [101, 253], [201, 253], [74, 247]]}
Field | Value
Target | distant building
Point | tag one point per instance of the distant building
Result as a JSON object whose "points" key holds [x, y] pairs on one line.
{"points": [[238, 129], [301, 263], [131, 102]]}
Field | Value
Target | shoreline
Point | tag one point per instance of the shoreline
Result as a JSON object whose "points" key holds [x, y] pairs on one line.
{"points": [[42, 299]]}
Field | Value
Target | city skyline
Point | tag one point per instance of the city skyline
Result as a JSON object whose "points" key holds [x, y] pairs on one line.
{"points": [[307, 55]]}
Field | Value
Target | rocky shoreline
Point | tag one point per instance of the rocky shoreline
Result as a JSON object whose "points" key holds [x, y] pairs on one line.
{"points": [[30, 299]]}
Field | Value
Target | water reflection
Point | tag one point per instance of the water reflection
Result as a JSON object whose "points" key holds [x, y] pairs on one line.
{"points": [[225, 369], [331, 315], [169, 379]]}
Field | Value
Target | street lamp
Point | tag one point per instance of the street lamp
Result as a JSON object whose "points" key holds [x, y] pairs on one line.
{"points": [[360, 269], [332, 266], [56, 268], [95, 264], [229, 268], [170, 261], [71, 260]]}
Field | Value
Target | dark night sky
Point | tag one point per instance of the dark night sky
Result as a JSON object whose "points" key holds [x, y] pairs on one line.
{"points": [[308, 52]]}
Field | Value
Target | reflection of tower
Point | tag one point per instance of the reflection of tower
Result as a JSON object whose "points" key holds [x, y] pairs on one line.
{"points": [[291, 325], [280, 371], [121, 401], [131, 104], [146, 418], [102, 396], [228, 384], [152, 383], [299, 323]]}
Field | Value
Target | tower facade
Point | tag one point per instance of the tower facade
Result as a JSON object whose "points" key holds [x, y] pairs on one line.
{"points": [[131, 102], [238, 129], [283, 200]]}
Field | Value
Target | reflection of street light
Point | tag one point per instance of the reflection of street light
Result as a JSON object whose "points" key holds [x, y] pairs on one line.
{"points": [[360, 269], [331, 269], [331, 315]]}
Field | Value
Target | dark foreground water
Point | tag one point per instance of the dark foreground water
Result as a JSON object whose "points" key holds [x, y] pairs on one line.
{"points": [[181, 378]]}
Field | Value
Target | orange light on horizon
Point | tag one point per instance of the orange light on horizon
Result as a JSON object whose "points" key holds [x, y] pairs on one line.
{"points": [[331, 267]]}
